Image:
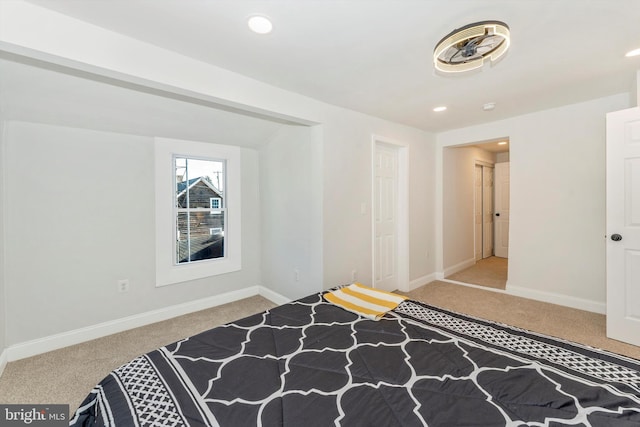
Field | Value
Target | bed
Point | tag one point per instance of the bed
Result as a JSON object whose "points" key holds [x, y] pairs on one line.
{"points": [[312, 363]]}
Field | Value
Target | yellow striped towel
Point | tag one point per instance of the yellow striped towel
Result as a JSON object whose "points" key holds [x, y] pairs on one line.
{"points": [[365, 301]]}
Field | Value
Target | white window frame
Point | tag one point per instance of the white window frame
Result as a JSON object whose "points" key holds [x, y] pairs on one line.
{"points": [[211, 199], [167, 271]]}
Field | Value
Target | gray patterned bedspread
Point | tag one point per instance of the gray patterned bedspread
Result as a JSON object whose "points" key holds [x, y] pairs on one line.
{"points": [[309, 363]]}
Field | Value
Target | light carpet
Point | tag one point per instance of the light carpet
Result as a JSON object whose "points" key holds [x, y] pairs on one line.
{"points": [[67, 375]]}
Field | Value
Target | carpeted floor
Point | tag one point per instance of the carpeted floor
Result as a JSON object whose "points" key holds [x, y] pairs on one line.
{"points": [[491, 272], [563, 322], [67, 375]]}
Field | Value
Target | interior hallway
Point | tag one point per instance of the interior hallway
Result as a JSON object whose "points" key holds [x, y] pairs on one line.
{"points": [[490, 272]]}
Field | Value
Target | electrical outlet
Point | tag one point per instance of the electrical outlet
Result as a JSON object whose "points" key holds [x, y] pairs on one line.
{"points": [[354, 275], [123, 285], [296, 275]]}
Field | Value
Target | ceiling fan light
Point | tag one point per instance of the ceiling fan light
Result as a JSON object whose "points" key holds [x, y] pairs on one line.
{"points": [[466, 48]]}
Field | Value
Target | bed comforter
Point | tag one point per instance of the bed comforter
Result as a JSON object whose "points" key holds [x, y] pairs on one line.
{"points": [[310, 363]]}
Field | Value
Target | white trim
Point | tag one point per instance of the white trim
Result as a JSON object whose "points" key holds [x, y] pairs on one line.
{"points": [[478, 162], [471, 285], [77, 336], [274, 297], [421, 281], [167, 272], [558, 299], [4, 359], [548, 297], [459, 267]]}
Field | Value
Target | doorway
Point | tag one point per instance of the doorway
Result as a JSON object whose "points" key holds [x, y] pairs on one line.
{"points": [[475, 213]]}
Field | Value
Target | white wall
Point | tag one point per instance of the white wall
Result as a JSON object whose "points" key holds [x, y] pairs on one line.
{"points": [[347, 175], [340, 157], [3, 299], [636, 90], [291, 204], [557, 222], [458, 204], [80, 215], [342, 148]]}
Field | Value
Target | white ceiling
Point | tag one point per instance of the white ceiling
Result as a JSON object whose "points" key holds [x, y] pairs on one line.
{"points": [[375, 56], [39, 94]]}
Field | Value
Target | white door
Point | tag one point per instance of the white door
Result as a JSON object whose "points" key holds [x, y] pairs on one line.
{"points": [[487, 209], [385, 217], [477, 212], [501, 223], [623, 225]]}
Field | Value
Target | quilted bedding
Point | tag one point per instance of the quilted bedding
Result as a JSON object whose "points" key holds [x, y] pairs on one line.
{"points": [[310, 363]]}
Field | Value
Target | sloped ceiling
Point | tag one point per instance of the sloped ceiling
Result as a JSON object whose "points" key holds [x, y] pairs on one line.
{"points": [[37, 94], [375, 56]]}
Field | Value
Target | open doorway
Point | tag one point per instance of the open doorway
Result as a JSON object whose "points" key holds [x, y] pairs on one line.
{"points": [[476, 213]]}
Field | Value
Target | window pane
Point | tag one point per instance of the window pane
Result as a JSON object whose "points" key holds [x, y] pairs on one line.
{"points": [[180, 172], [198, 181], [200, 236]]}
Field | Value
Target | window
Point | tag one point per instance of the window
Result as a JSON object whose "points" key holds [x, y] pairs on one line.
{"points": [[215, 203], [199, 188], [197, 210]]}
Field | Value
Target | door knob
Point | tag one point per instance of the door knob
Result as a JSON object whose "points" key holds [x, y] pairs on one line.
{"points": [[616, 237], [497, 213]]}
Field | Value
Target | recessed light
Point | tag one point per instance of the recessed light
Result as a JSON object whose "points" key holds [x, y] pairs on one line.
{"points": [[439, 109], [634, 52], [489, 106], [260, 24]]}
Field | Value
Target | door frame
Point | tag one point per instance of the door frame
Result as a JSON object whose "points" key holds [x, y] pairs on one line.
{"points": [[402, 224], [439, 273]]}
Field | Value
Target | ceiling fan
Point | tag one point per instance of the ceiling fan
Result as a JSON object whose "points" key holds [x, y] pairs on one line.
{"points": [[466, 48]]}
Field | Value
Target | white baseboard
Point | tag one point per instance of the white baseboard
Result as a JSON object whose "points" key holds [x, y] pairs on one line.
{"points": [[77, 336], [458, 267], [559, 299], [471, 285], [550, 297], [421, 281], [274, 297]]}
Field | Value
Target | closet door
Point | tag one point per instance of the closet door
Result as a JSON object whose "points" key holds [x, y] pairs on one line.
{"points": [[501, 223], [623, 225], [477, 213], [487, 211]]}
